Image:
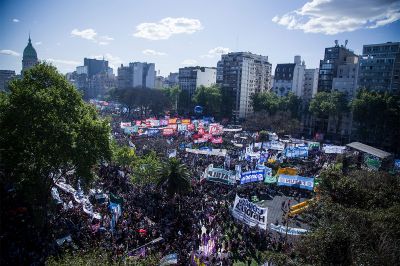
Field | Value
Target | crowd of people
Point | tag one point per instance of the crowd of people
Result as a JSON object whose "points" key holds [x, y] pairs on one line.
{"points": [[197, 226]]}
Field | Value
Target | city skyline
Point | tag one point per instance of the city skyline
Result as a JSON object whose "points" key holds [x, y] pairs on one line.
{"points": [[173, 35]]}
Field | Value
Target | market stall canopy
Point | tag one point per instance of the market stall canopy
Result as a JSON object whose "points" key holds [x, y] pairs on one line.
{"points": [[368, 149]]}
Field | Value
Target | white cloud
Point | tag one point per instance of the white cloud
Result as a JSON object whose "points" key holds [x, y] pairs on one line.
{"points": [[336, 16], [91, 34], [38, 43], [189, 62], [113, 61], [63, 62], [152, 52], [88, 34], [15, 20], [167, 27], [9, 52], [217, 51]]}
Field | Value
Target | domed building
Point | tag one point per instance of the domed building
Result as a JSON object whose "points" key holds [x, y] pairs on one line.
{"points": [[29, 58]]}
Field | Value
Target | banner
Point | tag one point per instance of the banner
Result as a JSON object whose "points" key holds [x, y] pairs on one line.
{"points": [[275, 145], [296, 152], [168, 131], [186, 121], [155, 123], [249, 213], [219, 175], [125, 124], [216, 152], [287, 171], [372, 162], [313, 145], [333, 149], [397, 164], [215, 129], [268, 176], [163, 122], [216, 140], [182, 127], [130, 130], [289, 230], [296, 181], [153, 131], [172, 121], [169, 259], [252, 176]]}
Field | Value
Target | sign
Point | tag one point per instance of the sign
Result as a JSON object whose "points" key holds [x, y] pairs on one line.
{"points": [[172, 121], [125, 124], [275, 145], [182, 127], [168, 131], [287, 171], [289, 230], [153, 131], [215, 129], [333, 149], [219, 175], [130, 130], [217, 140], [296, 181], [268, 178], [372, 162], [313, 145], [249, 213], [296, 152], [186, 121], [252, 176]]}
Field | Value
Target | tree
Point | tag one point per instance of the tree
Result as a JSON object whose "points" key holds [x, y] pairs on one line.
{"points": [[377, 116], [265, 101], [144, 169], [355, 222], [122, 155], [46, 130], [210, 98], [329, 104], [172, 94], [280, 122], [174, 177]]}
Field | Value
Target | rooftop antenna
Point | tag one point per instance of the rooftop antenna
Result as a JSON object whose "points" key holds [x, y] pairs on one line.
{"points": [[345, 43], [336, 43]]}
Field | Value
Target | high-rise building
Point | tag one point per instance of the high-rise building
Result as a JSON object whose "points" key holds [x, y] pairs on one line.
{"points": [[380, 67], [5, 77], [159, 83], [29, 58], [137, 74], [328, 67], [172, 80], [310, 83], [242, 74], [346, 78], [94, 79], [289, 78], [190, 78], [95, 66]]}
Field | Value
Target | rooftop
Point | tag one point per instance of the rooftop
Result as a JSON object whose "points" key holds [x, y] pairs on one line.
{"points": [[368, 149]]}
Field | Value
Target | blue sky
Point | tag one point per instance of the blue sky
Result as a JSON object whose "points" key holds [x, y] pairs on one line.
{"points": [[173, 34]]}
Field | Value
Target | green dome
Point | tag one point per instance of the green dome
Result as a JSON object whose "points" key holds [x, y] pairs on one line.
{"points": [[29, 51]]}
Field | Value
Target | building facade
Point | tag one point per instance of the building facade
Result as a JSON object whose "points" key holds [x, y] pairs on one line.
{"points": [[95, 66], [380, 67], [289, 78], [346, 78], [328, 67], [5, 77], [310, 83], [190, 78], [137, 74], [29, 58], [242, 74]]}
